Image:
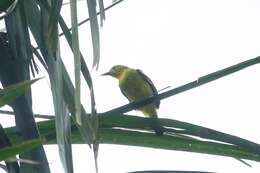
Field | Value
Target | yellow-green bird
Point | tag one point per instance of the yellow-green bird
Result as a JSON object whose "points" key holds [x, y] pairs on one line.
{"points": [[135, 85]]}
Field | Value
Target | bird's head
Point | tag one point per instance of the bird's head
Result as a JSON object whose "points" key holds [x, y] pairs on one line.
{"points": [[116, 71]]}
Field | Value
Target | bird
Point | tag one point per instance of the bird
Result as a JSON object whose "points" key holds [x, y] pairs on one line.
{"points": [[135, 85]]}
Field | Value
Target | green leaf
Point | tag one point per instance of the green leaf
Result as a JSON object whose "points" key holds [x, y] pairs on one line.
{"points": [[8, 152], [84, 68], [177, 128], [6, 4], [101, 11], [68, 93], [77, 60], [52, 33], [62, 119], [113, 130], [137, 138], [5, 142], [191, 85], [9, 93], [94, 31], [86, 128], [55, 69]]}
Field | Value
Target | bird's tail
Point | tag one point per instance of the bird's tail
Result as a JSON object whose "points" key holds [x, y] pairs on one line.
{"points": [[151, 112]]}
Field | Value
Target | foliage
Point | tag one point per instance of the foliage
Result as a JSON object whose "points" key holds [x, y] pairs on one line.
{"points": [[72, 124], [9, 93]]}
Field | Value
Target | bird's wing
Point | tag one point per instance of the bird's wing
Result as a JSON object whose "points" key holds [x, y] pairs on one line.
{"points": [[123, 92], [150, 83]]}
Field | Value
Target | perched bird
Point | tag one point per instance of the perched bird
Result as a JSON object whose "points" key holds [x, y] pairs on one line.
{"points": [[135, 85]]}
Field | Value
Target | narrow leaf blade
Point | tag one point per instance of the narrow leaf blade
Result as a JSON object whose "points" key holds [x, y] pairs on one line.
{"points": [[8, 152], [9, 93]]}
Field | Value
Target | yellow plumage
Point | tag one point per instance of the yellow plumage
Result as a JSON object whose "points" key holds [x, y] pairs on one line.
{"points": [[135, 85]]}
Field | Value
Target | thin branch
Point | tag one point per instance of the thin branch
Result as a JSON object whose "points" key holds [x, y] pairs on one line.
{"points": [[49, 117], [98, 13], [86, 20], [200, 81]]}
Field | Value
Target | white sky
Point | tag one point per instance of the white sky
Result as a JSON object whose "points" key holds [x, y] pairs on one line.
{"points": [[174, 42]]}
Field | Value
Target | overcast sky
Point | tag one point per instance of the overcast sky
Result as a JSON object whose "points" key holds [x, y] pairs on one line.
{"points": [[174, 42]]}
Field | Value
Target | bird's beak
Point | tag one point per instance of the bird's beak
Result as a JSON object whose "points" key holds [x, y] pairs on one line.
{"points": [[105, 74]]}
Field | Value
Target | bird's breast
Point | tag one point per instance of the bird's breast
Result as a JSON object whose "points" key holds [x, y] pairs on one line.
{"points": [[134, 87]]}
